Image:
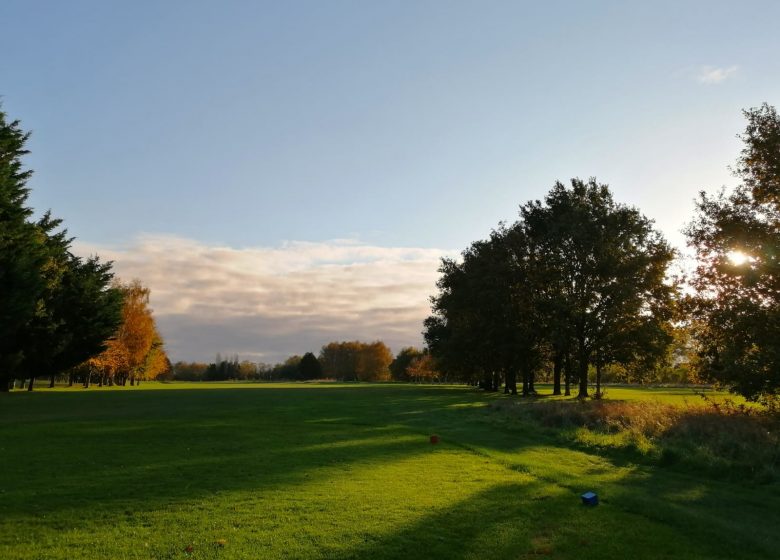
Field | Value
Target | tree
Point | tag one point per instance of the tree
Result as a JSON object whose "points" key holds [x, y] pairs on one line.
{"points": [[129, 352], [374, 361], [289, 369], [736, 236], [356, 361], [56, 309], [310, 367], [156, 363], [189, 371], [579, 280], [77, 310], [448, 331], [483, 324], [247, 370], [423, 368], [603, 265], [22, 255], [400, 365]]}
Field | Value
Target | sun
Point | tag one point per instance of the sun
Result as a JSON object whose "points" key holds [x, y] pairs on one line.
{"points": [[738, 258]]}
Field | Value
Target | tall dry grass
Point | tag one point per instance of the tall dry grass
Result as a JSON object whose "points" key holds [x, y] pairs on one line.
{"points": [[723, 438]]}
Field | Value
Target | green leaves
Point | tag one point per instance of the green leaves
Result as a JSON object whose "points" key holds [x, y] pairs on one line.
{"points": [[56, 309], [578, 275], [735, 311]]}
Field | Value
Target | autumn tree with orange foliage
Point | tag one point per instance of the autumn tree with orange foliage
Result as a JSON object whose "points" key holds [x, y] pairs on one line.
{"points": [[356, 361], [422, 369], [136, 351]]}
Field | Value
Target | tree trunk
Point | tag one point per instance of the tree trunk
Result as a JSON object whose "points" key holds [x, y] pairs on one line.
{"points": [[511, 382], [51, 381], [583, 374], [531, 388], [70, 379], [87, 379], [5, 383], [598, 380], [132, 381], [525, 380], [557, 366], [138, 382], [32, 383], [101, 377], [567, 377]]}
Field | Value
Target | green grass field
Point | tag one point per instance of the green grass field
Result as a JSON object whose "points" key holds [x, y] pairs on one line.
{"points": [[345, 471]]}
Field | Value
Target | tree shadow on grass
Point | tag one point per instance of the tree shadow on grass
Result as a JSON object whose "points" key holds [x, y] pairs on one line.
{"points": [[538, 520], [145, 450], [108, 454]]}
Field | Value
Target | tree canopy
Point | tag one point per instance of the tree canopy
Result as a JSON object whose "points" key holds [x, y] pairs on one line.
{"points": [[736, 236], [579, 279], [56, 309]]}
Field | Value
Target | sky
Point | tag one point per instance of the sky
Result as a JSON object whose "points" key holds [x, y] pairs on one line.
{"points": [[284, 174]]}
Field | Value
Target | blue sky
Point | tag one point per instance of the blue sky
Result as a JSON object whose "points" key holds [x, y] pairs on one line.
{"points": [[246, 127]]}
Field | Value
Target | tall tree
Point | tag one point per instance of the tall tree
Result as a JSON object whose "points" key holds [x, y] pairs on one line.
{"points": [[156, 363], [605, 266], [128, 352], [56, 309], [484, 320], [22, 254], [736, 237], [310, 367], [137, 331], [77, 310]]}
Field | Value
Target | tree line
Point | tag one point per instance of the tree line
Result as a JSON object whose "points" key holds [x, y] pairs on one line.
{"points": [[345, 361], [60, 314], [580, 283]]}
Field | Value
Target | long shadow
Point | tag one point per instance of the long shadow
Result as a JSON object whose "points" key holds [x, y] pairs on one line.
{"points": [[144, 450], [109, 454], [532, 520]]}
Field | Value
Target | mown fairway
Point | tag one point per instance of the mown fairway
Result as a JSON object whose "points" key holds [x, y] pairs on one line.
{"points": [[338, 471]]}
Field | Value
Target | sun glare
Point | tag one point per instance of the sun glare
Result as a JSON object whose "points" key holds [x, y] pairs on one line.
{"points": [[738, 258]]}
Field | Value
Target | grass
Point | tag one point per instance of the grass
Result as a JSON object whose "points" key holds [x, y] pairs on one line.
{"points": [[347, 471], [717, 435]]}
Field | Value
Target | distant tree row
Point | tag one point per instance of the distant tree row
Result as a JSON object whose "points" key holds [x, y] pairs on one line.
{"points": [[60, 315], [579, 285], [346, 361]]}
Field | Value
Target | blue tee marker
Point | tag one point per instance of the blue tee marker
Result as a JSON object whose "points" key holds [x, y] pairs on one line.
{"points": [[590, 499]]}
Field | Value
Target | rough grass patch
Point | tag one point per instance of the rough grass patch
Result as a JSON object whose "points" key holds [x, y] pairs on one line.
{"points": [[727, 439]]}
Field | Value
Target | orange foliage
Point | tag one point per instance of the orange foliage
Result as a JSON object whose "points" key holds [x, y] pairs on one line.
{"points": [[356, 360], [136, 350]]}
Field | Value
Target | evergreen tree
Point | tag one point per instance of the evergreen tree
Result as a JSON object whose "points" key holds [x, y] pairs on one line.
{"points": [[22, 254], [310, 367], [56, 309]]}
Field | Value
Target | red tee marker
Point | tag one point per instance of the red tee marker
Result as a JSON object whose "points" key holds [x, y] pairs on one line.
{"points": [[434, 439]]}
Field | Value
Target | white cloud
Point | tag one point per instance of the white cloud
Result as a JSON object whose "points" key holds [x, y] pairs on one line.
{"points": [[265, 303], [714, 75]]}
